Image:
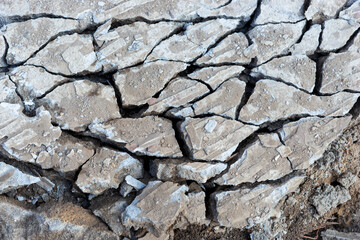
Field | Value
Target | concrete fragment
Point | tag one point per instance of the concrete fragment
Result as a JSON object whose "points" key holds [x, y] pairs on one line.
{"points": [[319, 10], [236, 208], [297, 70], [232, 49], [277, 11], [272, 101], [8, 90], [327, 197], [76, 105], [138, 185], [224, 101], [139, 84], [331, 234], [217, 143], [194, 42], [308, 138], [263, 160], [272, 40], [351, 14], [175, 170], [153, 136], [180, 112], [130, 44], [25, 38], [177, 93], [107, 169], [309, 42], [12, 178], [69, 55], [125, 189], [214, 76], [347, 179]]}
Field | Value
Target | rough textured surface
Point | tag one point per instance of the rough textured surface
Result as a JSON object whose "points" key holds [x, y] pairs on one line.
{"points": [[8, 90], [309, 42], [319, 10]]}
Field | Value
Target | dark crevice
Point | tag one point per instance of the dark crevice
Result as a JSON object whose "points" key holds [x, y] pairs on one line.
{"points": [[249, 89], [320, 37], [305, 29], [355, 110], [318, 80], [225, 4], [18, 18], [277, 23], [349, 42], [185, 149], [3, 58], [306, 6], [283, 143], [254, 16]]}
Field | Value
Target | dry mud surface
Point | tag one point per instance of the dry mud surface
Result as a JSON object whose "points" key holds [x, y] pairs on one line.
{"points": [[180, 119]]}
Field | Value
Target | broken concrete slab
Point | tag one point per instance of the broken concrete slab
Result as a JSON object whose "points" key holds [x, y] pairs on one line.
{"points": [[232, 49], [214, 76], [308, 138], [272, 101], [75, 105], [319, 10], [298, 70], [8, 90], [265, 159], [129, 45], [214, 138], [239, 208], [347, 179], [224, 101], [278, 11], [195, 41], [153, 136], [138, 85], [177, 93], [26, 38], [272, 40], [179, 170], [12, 178], [309, 42], [107, 169], [69, 55]]}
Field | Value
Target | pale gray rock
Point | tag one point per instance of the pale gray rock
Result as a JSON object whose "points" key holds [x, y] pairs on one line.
{"points": [[336, 34], [214, 138], [177, 170], [327, 197], [69, 55], [194, 42], [320, 10], [153, 136], [138, 185], [177, 93], [12, 178], [272, 40], [25, 38], [309, 42], [107, 169], [351, 13], [236, 208], [347, 179], [139, 84], [8, 90], [76, 105], [308, 138], [58, 221], [130, 44], [125, 189], [331, 234], [214, 76], [2, 52], [277, 11], [272, 101], [297, 70], [181, 112], [265, 159], [232, 49], [224, 101]]}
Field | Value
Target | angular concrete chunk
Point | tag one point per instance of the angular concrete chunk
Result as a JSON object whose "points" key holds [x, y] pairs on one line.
{"points": [[309, 42], [194, 42], [320, 10], [237, 208], [107, 169], [68, 55], [232, 49], [263, 160], [277, 11], [179, 170], [8, 91], [297, 70], [25, 38], [224, 101], [214, 76], [149, 135], [12, 178], [272, 101], [308, 138], [214, 138], [179, 92], [130, 44], [139, 84], [271, 40], [76, 105]]}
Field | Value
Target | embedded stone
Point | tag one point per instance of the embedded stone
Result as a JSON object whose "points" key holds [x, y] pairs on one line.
{"points": [[107, 169], [153, 136], [218, 143], [8, 91], [309, 42], [76, 105], [319, 10]]}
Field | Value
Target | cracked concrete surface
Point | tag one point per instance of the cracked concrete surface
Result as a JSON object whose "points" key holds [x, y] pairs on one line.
{"points": [[150, 115]]}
